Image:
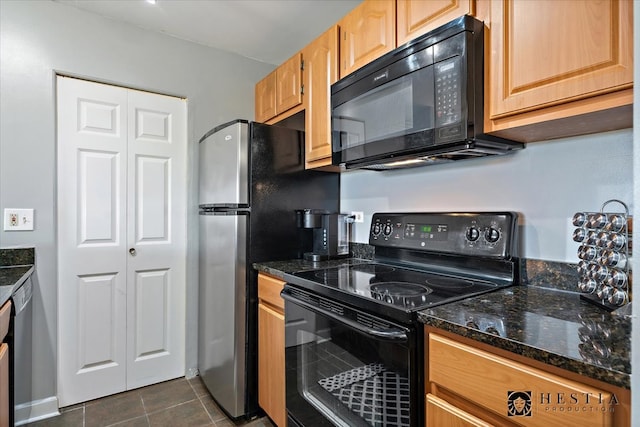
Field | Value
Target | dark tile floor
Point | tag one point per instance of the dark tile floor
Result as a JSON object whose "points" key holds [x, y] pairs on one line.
{"points": [[179, 402]]}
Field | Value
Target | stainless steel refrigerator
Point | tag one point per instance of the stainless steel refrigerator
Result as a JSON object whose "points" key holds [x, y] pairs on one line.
{"points": [[252, 180]]}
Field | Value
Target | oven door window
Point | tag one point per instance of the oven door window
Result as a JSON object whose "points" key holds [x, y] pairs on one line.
{"points": [[339, 375]]}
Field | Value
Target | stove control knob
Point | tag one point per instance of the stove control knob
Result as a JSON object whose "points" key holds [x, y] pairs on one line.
{"points": [[492, 235], [473, 234], [388, 228], [376, 229]]}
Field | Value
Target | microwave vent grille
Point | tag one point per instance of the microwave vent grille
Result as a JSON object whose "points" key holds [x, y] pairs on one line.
{"points": [[461, 154]]}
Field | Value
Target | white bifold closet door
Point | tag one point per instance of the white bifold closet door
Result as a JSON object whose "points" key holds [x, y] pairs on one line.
{"points": [[121, 239]]}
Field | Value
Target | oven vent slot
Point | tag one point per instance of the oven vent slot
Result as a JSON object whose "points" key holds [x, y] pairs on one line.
{"points": [[304, 296], [371, 322], [328, 305], [317, 301]]}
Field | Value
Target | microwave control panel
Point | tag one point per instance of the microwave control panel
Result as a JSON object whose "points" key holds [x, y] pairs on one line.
{"points": [[448, 92], [490, 234]]}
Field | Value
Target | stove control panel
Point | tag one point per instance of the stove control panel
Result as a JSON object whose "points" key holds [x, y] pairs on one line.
{"points": [[490, 234]]}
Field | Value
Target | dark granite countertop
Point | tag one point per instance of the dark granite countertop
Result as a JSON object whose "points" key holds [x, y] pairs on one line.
{"points": [[11, 278], [551, 326], [16, 265]]}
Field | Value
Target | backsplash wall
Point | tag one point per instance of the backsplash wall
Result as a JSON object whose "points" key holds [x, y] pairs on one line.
{"points": [[546, 183]]}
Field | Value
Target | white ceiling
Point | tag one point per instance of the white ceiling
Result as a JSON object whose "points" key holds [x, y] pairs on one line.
{"points": [[270, 31]]}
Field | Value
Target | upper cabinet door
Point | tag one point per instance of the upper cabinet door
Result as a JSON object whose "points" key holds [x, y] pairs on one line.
{"points": [[280, 91], [266, 98], [550, 52], [289, 84], [417, 17], [320, 72], [367, 32]]}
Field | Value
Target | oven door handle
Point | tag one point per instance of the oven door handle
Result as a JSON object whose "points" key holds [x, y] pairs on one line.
{"points": [[390, 334]]}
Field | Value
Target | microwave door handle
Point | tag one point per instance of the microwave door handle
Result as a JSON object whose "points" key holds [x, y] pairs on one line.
{"points": [[390, 334]]}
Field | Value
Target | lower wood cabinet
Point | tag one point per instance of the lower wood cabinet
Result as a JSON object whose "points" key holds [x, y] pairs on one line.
{"points": [[271, 380], [4, 385], [5, 318], [469, 386]]}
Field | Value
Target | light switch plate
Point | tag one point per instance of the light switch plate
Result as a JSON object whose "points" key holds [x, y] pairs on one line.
{"points": [[18, 219]]}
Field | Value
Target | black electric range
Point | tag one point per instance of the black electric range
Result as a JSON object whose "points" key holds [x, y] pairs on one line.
{"points": [[423, 260], [353, 344]]}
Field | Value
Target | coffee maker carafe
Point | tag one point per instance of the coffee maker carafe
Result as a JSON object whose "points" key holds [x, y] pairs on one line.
{"points": [[325, 235]]}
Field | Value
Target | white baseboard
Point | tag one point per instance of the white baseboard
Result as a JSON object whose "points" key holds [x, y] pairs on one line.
{"points": [[36, 410], [191, 373]]}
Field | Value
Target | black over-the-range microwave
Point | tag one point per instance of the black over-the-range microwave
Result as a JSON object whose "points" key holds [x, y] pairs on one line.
{"points": [[419, 104]]}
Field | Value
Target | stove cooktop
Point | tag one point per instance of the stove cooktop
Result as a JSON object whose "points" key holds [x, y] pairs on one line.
{"points": [[422, 259], [399, 287]]}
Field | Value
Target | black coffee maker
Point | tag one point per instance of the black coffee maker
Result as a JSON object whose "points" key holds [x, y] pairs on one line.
{"points": [[323, 235]]}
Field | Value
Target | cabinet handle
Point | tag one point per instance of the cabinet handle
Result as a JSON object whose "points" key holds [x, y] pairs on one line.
{"points": [[132, 251]]}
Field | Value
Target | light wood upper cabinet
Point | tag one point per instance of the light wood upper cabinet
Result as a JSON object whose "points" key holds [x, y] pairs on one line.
{"points": [[280, 91], [265, 102], [366, 33], [289, 84], [417, 17], [556, 59], [320, 72], [271, 376]]}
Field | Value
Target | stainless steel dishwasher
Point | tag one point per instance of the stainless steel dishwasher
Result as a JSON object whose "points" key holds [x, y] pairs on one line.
{"points": [[21, 352]]}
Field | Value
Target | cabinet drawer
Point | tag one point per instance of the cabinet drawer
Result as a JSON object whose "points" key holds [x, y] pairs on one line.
{"points": [[269, 289], [440, 414], [5, 317], [490, 381]]}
